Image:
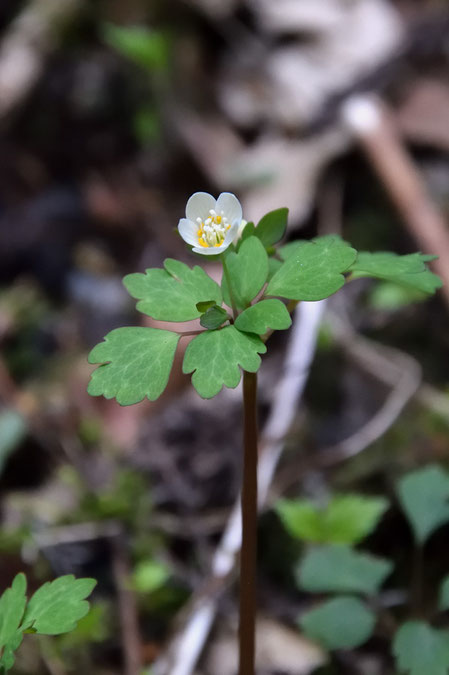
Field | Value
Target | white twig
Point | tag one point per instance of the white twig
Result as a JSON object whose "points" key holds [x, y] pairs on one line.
{"points": [[185, 650], [391, 366]]}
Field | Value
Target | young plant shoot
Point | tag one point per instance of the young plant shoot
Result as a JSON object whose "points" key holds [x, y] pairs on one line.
{"points": [[262, 282]]}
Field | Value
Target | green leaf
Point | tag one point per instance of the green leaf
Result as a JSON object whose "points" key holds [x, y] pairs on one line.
{"points": [[149, 576], [204, 306], [421, 650], [424, 497], [312, 270], [264, 315], [340, 569], [145, 47], [347, 519], [273, 266], [214, 358], [248, 231], [56, 606], [214, 317], [271, 228], [12, 606], [443, 599], [172, 294], [136, 364], [248, 271], [13, 430], [390, 296], [341, 623], [408, 270]]}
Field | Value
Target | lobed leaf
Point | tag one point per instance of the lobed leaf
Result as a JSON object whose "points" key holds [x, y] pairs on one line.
{"points": [[214, 317], [340, 569], [56, 606], [264, 315], [312, 270], [136, 364], [346, 519], [424, 497], [421, 650], [12, 607], [271, 228], [248, 271], [215, 358], [172, 293], [408, 270], [341, 623]]}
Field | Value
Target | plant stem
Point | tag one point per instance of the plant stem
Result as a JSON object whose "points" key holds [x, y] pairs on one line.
{"points": [[248, 557]]}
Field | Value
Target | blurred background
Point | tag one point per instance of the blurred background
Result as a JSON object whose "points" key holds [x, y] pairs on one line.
{"points": [[111, 114]]}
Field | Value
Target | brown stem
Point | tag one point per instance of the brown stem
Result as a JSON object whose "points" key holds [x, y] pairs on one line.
{"points": [[190, 332], [248, 557]]}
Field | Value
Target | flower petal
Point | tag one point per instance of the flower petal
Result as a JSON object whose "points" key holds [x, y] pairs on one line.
{"points": [[211, 250], [231, 234], [231, 206], [187, 229], [199, 206]]}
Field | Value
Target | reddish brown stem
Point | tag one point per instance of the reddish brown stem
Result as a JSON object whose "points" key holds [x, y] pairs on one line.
{"points": [[248, 558]]}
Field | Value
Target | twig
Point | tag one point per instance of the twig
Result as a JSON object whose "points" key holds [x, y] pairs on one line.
{"points": [[389, 365], [367, 118], [186, 647], [128, 610]]}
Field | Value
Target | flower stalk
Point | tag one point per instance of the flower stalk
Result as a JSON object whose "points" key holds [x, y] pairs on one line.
{"points": [[248, 557]]}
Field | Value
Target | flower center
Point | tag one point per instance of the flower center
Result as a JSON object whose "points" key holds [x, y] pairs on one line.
{"points": [[212, 231]]}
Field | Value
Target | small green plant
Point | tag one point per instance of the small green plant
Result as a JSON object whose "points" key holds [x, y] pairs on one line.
{"points": [[54, 609], [352, 579], [261, 284]]}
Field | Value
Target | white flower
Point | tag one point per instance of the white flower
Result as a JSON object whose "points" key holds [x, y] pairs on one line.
{"points": [[211, 225]]}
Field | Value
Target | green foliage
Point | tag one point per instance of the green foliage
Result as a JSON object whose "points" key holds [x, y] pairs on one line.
{"points": [[421, 650], [409, 270], [341, 623], [94, 627], [389, 296], [248, 231], [12, 607], [248, 271], [424, 496], [346, 519], [136, 364], [149, 576], [264, 315], [147, 48], [340, 569], [214, 358], [214, 317], [56, 606], [146, 125], [312, 270], [271, 228], [54, 609], [13, 429], [172, 294]]}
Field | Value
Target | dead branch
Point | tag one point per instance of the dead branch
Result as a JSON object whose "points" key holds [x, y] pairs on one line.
{"points": [[370, 122]]}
